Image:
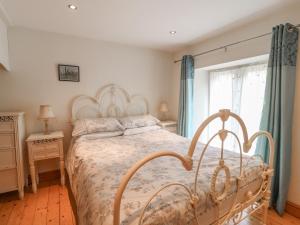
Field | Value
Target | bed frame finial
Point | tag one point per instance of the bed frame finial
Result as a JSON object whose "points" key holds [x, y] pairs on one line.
{"points": [[224, 114]]}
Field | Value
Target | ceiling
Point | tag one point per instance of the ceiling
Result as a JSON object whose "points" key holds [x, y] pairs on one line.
{"points": [[137, 22]]}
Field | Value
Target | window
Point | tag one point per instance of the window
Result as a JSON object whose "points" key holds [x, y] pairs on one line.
{"points": [[240, 89]]}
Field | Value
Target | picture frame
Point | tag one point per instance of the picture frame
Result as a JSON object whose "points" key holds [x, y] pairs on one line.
{"points": [[68, 73]]}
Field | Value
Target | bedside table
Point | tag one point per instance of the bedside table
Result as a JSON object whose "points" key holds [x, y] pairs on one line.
{"points": [[45, 146], [169, 125]]}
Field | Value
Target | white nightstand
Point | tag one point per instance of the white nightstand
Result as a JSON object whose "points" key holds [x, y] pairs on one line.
{"points": [[41, 147], [169, 125]]}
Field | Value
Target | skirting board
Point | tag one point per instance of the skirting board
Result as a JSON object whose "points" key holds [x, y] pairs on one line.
{"points": [[293, 209]]}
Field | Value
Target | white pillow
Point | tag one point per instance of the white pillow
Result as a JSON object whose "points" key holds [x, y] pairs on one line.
{"points": [[139, 130], [139, 121], [103, 135], [89, 126]]}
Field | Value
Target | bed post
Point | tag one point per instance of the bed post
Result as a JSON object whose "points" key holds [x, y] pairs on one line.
{"points": [[267, 174], [266, 203]]}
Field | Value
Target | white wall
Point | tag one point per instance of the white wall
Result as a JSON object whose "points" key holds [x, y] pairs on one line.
{"points": [[4, 61], [249, 49], [33, 79]]}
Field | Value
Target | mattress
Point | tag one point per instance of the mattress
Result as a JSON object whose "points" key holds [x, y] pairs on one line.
{"points": [[95, 168]]}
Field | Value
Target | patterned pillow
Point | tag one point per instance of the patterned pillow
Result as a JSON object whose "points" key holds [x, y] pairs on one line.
{"points": [[138, 121], [140, 130], [89, 126], [102, 135]]}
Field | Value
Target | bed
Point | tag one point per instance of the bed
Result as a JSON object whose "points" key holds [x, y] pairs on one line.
{"points": [[157, 177]]}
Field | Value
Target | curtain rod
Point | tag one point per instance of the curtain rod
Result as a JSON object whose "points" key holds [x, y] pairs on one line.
{"points": [[231, 44]]}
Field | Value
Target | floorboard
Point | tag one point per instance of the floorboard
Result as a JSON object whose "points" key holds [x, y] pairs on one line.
{"points": [[40, 216], [17, 212], [51, 206], [29, 210], [65, 211], [9, 202]]}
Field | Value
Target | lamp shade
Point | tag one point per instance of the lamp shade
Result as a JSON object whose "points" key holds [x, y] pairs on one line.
{"points": [[163, 107], [46, 112]]}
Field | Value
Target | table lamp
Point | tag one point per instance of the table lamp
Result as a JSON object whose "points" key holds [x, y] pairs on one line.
{"points": [[163, 108], [46, 114]]}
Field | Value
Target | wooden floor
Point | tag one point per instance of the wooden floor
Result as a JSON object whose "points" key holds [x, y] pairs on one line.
{"points": [[51, 206], [273, 219]]}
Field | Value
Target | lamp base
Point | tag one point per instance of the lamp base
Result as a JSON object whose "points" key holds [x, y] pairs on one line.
{"points": [[46, 130]]}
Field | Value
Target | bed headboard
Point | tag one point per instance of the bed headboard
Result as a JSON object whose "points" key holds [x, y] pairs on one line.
{"points": [[110, 101]]}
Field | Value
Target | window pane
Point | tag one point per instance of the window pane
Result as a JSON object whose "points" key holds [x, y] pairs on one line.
{"points": [[253, 97], [220, 96], [242, 91]]}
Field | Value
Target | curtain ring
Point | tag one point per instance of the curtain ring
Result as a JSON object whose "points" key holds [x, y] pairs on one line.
{"points": [[290, 28]]}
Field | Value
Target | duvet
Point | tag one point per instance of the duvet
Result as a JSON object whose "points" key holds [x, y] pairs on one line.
{"points": [[95, 168]]}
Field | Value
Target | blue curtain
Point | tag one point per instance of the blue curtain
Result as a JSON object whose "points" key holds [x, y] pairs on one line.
{"points": [[186, 96], [277, 111]]}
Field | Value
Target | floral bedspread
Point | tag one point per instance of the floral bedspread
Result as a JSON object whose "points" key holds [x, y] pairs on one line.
{"points": [[95, 168]]}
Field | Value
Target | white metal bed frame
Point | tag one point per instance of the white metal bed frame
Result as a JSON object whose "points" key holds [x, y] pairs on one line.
{"points": [[113, 101], [110, 101]]}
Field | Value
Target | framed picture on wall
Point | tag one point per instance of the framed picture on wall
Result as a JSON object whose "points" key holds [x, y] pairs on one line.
{"points": [[68, 73]]}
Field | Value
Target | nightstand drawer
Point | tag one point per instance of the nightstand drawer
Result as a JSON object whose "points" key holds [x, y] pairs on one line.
{"points": [[169, 125], [45, 151], [7, 158], [7, 140], [7, 126], [172, 129]]}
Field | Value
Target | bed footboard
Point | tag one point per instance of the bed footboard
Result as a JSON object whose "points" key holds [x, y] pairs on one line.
{"points": [[253, 200]]}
